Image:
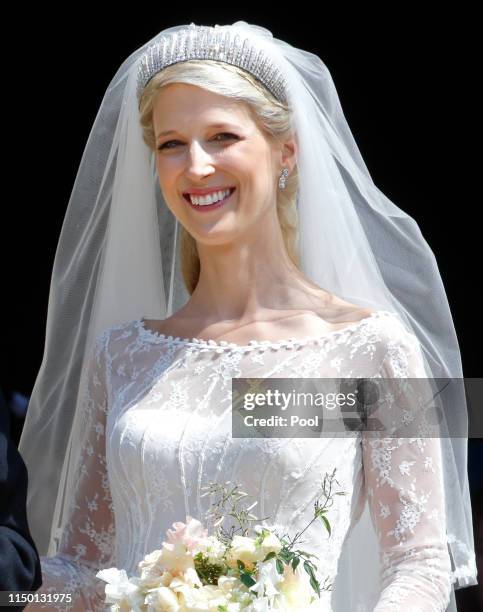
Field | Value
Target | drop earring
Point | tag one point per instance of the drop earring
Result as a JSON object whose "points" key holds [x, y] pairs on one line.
{"points": [[283, 178]]}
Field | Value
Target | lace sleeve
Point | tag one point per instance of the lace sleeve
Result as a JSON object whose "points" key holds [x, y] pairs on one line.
{"points": [[404, 486], [87, 541]]}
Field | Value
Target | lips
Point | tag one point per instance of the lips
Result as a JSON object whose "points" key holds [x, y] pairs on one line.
{"points": [[208, 190], [188, 199], [208, 207]]}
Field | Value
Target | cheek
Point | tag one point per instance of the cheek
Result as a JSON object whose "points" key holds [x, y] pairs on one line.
{"points": [[257, 167], [164, 171], [166, 179]]}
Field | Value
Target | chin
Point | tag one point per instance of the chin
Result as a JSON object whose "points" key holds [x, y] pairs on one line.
{"points": [[213, 236]]}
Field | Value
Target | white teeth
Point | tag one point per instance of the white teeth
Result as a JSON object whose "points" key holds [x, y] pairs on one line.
{"points": [[209, 199]]}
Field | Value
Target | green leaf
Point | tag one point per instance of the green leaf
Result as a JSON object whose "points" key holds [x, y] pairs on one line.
{"points": [[326, 523], [241, 565], [247, 580], [308, 569], [285, 556], [279, 565], [295, 562], [315, 584], [270, 555]]}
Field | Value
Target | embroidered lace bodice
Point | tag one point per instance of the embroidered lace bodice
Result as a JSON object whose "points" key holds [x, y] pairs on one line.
{"points": [[158, 429]]}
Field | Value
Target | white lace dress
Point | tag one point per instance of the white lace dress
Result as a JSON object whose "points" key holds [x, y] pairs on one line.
{"points": [[159, 428]]}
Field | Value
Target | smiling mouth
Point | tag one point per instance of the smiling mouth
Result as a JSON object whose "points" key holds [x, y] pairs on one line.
{"points": [[202, 207]]}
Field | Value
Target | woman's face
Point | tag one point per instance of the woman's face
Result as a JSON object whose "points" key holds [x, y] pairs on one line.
{"points": [[214, 143]]}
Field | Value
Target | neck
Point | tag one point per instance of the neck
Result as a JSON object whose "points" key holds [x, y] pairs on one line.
{"points": [[251, 274]]}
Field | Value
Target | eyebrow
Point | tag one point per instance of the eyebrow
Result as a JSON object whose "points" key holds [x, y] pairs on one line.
{"points": [[212, 125]]}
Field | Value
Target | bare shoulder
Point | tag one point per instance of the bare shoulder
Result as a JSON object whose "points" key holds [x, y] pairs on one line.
{"points": [[175, 325], [335, 313], [318, 316]]}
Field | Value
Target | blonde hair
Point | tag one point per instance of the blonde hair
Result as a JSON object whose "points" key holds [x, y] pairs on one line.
{"points": [[272, 117]]}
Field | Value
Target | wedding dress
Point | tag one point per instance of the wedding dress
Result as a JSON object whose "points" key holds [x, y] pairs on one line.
{"points": [[158, 429]]}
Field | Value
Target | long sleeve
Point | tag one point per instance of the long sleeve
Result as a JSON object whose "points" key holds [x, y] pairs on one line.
{"points": [[404, 486], [19, 558], [87, 541]]}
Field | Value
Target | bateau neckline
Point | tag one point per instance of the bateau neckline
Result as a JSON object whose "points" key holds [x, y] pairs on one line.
{"points": [[221, 345]]}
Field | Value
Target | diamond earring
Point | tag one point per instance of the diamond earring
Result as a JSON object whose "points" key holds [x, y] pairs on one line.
{"points": [[283, 178]]}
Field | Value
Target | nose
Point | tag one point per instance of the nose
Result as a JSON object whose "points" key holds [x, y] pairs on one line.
{"points": [[199, 162]]}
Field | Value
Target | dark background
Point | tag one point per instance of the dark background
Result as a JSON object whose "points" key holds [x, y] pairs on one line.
{"points": [[406, 89]]}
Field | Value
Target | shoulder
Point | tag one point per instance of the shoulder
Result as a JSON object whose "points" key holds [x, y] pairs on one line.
{"points": [[402, 350], [339, 314], [387, 328], [386, 331], [336, 312], [394, 331], [110, 336]]}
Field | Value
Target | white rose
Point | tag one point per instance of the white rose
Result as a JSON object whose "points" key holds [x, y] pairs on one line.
{"points": [[244, 549], [270, 544]]}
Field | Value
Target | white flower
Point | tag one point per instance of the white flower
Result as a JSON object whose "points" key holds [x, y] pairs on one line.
{"points": [[163, 599], [295, 589], [244, 549], [269, 544], [175, 557], [206, 598], [261, 604], [268, 579], [190, 576], [228, 583], [152, 570], [119, 590], [212, 549], [154, 575], [189, 533]]}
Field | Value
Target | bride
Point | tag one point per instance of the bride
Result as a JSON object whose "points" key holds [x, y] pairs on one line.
{"points": [[223, 225]]}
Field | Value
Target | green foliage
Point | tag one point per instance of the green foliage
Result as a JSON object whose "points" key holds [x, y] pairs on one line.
{"points": [[228, 505], [208, 572], [314, 583], [324, 519], [246, 575]]}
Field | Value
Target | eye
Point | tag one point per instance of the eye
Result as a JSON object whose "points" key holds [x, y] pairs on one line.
{"points": [[227, 134], [165, 145]]}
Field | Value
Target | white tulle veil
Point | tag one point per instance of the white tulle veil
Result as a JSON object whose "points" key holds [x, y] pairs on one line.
{"points": [[118, 259]]}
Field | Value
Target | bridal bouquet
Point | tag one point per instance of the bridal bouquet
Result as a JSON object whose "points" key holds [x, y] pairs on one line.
{"points": [[243, 569]]}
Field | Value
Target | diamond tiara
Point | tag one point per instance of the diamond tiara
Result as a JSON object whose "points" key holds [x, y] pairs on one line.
{"points": [[215, 43]]}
